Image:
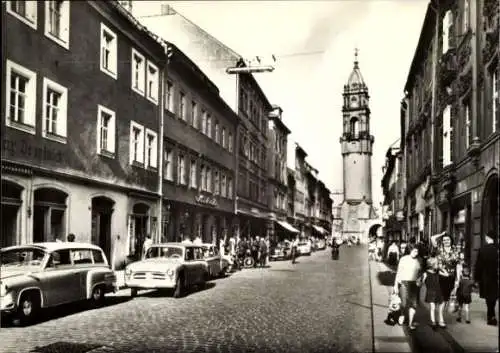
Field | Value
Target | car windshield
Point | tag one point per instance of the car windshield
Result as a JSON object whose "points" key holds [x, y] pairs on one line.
{"points": [[23, 257], [170, 252]]}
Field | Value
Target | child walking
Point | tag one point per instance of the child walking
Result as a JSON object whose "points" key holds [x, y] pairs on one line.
{"points": [[464, 294], [433, 294]]}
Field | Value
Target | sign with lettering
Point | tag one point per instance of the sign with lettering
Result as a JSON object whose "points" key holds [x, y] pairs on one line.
{"points": [[206, 200], [25, 149]]}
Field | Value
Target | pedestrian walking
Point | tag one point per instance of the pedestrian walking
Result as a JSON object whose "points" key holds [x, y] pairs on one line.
{"points": [[147, 244], [255, 250], [393, 254], [448, 259], [464, 293], [407, 283], [295, 244], [433, 294], [486, 274], [262, 252], [197, 240]]}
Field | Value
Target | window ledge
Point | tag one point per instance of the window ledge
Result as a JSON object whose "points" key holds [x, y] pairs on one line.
{"points": [[152, 99], [138, 91], [152, 169], [106, 153], [54, 137], [21, 126], [109, 73], [63, 43], [21, 17], [137, 164]]}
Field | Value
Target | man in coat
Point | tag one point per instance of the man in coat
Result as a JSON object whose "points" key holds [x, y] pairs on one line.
{"points": [[486, 275]]}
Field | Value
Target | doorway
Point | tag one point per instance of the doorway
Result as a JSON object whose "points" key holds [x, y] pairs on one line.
{"points": [[49, 215], [490, 210], [102, 210], [139, 228], [11, 204]]}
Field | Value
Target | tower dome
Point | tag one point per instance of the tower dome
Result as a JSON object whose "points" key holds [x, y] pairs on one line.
{"points": [[355, 80]]}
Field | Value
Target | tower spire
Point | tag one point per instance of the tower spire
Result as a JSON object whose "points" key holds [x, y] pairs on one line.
{"points": [[356, 51]]}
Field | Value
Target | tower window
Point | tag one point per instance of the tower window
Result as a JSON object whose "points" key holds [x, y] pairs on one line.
{"points": [[354, 128]]}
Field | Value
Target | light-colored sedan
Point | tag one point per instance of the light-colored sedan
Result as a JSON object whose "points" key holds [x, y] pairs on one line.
{"points": [[304, 247], [217, 265], [174, 266], [44, 275]]}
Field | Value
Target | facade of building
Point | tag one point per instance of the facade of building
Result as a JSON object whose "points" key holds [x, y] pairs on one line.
{"points": [[242, 94], [198, 155], [392, 183], [291, 187], [452, 139], [301, 190], [278, 192], [79, 140], [356, 145]]}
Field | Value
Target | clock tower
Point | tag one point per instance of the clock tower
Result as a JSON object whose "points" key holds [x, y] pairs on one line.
{"points": [[356, 146]]}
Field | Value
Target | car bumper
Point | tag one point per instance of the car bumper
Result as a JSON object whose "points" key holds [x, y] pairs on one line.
{"points": [[150, 283], [7, 304]]}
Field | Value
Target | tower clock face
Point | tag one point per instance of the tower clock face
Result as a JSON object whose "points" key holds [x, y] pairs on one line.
{"points": [[354, 102]]}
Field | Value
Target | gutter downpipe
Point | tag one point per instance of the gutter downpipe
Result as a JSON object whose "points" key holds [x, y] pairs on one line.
{"points": [[434, 105], [160, 149]]}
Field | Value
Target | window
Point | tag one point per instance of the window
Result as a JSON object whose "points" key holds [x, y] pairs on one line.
{"points": [[109, 51], [447, 22], [223, 186], [447, 129], [216, 183], [230, 142], [151, 149], [223, 137], [203, 178], [495, 100], [169, 96], [217, 134], [230, 187], [25, 11], [466, 16], [203, 121], [81, 256], [138, 72], [98, 257], [152, 80], [54, 111], [192, 170], [209, 179], [169, 164], [209, 126], [105, 131], [182, 106], [193, 113], [21, 97], [60, 258], [354, 128], [136, 143], [468, 127], [181, 169], [57, 21]]}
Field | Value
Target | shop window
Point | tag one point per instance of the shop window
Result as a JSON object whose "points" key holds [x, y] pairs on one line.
{"points": [[49, 216]]}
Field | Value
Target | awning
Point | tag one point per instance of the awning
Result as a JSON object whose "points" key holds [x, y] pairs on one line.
{"points": [[256, 214], [320, 229], [288, 226]]}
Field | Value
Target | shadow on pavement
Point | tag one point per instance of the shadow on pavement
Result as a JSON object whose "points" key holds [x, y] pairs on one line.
{"points": [[386, 278], [66, 347], [66, 310], [170, 292]]}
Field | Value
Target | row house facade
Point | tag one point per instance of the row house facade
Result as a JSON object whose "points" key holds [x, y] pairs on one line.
{"points": [[451, 135], [392, 189], [279, 177], [198, 155], [80, 125], [243, 95]]}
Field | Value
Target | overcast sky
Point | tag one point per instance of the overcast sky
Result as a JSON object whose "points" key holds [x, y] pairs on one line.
{"points": [[314, 45]]}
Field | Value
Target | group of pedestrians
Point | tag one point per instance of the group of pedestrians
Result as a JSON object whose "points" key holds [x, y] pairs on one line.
{"points": [[447, 276]]}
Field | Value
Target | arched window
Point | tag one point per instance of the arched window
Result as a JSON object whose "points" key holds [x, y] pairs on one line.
{"points": [[354, 127]]}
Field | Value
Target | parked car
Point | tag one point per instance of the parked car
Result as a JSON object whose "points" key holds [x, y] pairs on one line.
{"points": [[304, 247], [174, 266], [217, 264], [43, 275], [282, 251]]}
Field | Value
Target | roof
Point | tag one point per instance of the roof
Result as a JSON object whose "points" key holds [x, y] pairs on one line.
{"points": [[355, 78], [182, 245], [54, 246]]}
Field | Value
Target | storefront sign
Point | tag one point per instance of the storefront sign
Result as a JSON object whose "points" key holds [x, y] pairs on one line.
{"points": [[27, 150], [206, 200]]}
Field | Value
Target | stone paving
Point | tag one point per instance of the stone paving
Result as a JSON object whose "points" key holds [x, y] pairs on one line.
{"points": [[316, 305]]}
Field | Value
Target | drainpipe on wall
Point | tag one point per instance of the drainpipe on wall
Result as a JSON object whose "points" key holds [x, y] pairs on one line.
{"points": [[161, 105]]}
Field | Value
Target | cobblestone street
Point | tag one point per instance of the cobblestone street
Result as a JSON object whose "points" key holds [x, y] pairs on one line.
{"points": [[315, 305]]}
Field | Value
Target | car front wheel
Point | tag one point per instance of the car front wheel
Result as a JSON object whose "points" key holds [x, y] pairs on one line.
{"points": [[97, 297], [29, 305], [179, 287]]}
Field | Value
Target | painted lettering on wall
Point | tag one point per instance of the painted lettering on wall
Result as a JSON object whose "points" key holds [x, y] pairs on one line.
{"points": [[28, 150], [206, 200]]}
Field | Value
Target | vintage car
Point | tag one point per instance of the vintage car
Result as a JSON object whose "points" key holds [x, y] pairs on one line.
{"points": [[304, 247], [282, 251], [44, 275], [218, 265], [174, 266]]}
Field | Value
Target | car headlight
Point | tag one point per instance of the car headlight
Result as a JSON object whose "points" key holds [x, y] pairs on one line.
{"points": [[170, 272], [3, 290], [128, 271]]}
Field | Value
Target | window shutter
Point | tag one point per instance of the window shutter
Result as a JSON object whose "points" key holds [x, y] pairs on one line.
{"points": [[31, 10], [65, 20], [31, 101], [114, 55], [154, 152], [131, 144], [141, 146], [131, 234], [62, 126], [112, 135]]}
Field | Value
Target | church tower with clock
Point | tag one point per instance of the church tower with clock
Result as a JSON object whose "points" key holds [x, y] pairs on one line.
{"points": [[356, 146]]}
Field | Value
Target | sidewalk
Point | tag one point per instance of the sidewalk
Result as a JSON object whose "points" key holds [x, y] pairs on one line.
{"points": [[386, 338]]}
